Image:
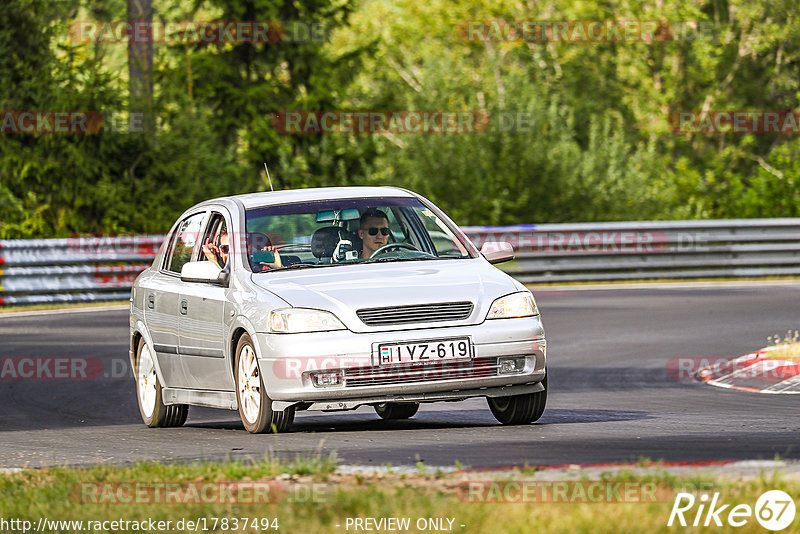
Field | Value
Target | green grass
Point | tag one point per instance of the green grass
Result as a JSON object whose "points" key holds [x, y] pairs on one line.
{"points": [[786, 352], [313, 498], [786, 347]]}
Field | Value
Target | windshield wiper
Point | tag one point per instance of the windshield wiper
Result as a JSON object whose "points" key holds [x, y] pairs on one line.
{"points": [[374, 260], [301, 266], [389, 259]]}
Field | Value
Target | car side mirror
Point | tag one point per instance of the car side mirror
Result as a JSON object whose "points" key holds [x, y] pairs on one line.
{"points": [[497, 251], [204, 272]]}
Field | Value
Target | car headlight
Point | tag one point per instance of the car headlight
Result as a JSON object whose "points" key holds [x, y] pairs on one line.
{"points": [[297, 320], [515, 305]]}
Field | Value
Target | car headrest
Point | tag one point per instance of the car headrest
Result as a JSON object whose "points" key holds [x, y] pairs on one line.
{"points": [[324, 240], [257, 241]]}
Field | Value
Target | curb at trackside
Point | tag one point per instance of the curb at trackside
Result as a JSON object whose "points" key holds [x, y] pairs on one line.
{"points": [[755, 372]]}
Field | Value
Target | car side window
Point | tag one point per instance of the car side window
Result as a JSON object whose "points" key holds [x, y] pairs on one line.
{"points": [[215, 242], [186, 242]]}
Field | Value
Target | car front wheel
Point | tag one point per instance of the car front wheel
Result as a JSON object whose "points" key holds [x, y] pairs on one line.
{"points": [[255, 407], [519, 409], [148, 392]]}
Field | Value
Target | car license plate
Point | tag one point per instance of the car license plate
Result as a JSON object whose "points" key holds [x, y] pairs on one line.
{"points": [[425, 351]]}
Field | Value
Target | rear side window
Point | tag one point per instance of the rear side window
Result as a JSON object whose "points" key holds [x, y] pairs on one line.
{"points": [[186, 241]]}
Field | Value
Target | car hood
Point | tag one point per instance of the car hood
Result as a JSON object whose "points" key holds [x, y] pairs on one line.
{"points": [[344, 289]]}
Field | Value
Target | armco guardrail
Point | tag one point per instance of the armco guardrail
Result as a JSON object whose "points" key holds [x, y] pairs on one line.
{"points": [[36, 271], [103, 268], [649, 250]]}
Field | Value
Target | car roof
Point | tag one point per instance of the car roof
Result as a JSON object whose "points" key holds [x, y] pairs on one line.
{"points": [[287, 196]]}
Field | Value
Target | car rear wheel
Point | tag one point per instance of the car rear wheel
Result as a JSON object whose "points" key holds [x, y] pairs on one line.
{"points": [[148, 392], [255, 407], [519, 409], [396, 410]]}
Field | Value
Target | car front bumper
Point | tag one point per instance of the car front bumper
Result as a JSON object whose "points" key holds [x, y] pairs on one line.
{"points": [[287, 362]]}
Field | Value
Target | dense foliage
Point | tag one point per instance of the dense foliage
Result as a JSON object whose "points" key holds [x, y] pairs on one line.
{"points": [[600, 147]]}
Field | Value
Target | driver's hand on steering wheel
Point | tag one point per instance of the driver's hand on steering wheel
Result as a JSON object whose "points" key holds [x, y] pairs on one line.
{"points": [[390, 246]]}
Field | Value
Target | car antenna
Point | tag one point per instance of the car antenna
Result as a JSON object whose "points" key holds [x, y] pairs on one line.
{"points": [[268, 177]]}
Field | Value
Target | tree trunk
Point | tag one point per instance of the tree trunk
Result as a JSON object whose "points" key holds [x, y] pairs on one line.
{"points": [[140, 61]]}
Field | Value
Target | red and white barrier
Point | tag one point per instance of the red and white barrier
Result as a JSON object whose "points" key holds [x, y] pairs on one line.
{"points": [[756, 372]]}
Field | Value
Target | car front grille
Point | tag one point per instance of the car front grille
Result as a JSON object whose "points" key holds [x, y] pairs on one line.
{"points": [[424, 313], [420, 372]]}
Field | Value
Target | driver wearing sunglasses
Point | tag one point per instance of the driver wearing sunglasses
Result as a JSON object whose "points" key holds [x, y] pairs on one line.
{"points": [[218, 253], [373, 231]]}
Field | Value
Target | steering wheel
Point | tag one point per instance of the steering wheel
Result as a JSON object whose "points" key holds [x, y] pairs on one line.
{"points": [[390, 246]]}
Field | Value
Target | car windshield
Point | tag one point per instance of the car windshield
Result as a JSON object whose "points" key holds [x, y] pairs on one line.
{"points": [[338, 232]]}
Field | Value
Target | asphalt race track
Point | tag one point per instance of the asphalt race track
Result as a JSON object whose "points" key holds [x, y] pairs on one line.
{"points": [[611, 397]]}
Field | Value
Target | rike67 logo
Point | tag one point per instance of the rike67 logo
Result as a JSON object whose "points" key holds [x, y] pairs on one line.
{"points": [[774, 510]]}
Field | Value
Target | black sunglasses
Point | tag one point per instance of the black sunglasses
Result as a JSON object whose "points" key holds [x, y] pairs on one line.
{"points": [[223, 248], [374, 231]]}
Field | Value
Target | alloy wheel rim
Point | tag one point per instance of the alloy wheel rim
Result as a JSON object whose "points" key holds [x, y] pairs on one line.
{"points": [[249, 383], [146, 380]]}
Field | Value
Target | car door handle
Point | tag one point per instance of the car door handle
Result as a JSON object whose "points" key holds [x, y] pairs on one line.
{"points": [[151, 301], [184, 307]]}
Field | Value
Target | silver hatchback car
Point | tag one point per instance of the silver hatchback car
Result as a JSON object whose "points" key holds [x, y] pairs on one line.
{"points": [[330, 299]]}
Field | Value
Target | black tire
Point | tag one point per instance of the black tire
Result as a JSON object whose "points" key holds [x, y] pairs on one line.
{"points": [[162, 415], [519, 409], [266, 419], [396, 410]]}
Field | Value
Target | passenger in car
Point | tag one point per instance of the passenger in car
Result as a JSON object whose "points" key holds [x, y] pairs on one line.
{"points": [[218, 253], [257, 241], [373, 231]]}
